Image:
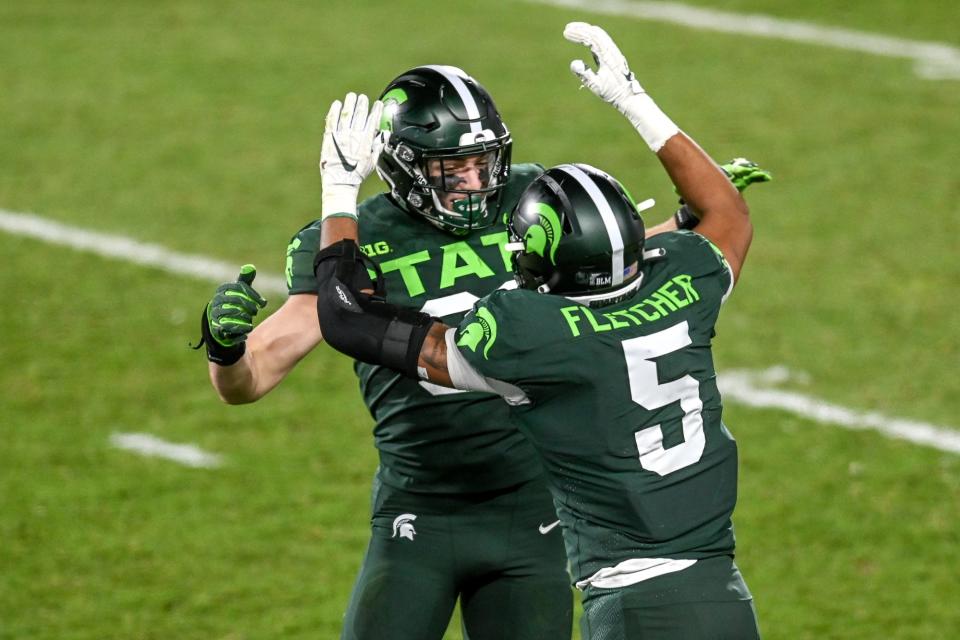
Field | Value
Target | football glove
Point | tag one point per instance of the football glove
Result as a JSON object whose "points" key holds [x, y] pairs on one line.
{"points": [[351, 147], [741, 172], [613, 82], [228, 318]]}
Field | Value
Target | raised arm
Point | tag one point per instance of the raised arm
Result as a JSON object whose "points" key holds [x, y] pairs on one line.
{"points": [[724, 218], [355, 320], [351, 146]]}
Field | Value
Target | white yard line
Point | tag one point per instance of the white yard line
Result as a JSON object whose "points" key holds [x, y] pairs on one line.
{"points": [[130, 250], [933, 60], [153, 447], [752, 388]]}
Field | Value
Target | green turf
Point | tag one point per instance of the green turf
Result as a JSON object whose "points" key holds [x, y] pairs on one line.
{"points": [[197, 126]]}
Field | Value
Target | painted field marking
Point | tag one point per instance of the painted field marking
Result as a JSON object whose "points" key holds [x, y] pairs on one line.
{"points": [[933, 60], [153, 447], [130, 250], [751, 388]]}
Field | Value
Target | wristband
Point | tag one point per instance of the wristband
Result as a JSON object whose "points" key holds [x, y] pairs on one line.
{"points": [[651, 123], [216, 352], [339, 200]]}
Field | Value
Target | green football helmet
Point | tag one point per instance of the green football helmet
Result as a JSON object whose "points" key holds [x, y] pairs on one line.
{"points": [[438, 119], [577, 232]]}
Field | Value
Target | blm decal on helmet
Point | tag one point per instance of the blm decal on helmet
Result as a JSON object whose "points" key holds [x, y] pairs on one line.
{"points": [[391, 100], [546, 232], [484, 327], [403, 526]]}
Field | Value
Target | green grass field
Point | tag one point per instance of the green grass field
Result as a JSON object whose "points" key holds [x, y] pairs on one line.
{"points": [[196, 126]]}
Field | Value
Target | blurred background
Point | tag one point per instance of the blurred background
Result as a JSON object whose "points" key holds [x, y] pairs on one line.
{"points": [[194, 128]]}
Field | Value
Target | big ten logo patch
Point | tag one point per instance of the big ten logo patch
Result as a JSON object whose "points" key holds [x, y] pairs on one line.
{"points": [[375, 248]]}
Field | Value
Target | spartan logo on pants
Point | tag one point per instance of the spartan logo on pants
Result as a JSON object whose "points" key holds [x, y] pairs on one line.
{"points": [[403, 525]]}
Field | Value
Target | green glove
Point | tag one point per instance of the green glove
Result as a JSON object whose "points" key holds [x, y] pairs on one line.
{"points": [[742, 174], [228, 318]]}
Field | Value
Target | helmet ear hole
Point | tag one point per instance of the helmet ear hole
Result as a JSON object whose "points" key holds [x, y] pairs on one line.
{"points": [[405, 153]]}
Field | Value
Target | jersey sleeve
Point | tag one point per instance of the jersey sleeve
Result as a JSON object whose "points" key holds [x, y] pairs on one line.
{"points": [[300, 253], [506, 334], [479, 332]]}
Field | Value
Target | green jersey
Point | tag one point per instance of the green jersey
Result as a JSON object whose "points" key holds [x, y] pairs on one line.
{"points": [[621, 402], [431, 438]]}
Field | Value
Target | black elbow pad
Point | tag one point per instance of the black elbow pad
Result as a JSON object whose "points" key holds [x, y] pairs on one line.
{"points": [[363, 325]]}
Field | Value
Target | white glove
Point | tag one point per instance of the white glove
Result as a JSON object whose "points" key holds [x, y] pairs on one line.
{"points": [[613, 82], [351, 147]]}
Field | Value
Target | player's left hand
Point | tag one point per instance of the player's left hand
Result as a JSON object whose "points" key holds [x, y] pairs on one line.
{"points": [[234, 305], [351, 147], [743, 173], [228, 318]]}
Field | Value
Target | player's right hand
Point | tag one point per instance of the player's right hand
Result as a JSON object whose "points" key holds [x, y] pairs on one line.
{"points": [[234, 305], [351, 147], [743, 173]]}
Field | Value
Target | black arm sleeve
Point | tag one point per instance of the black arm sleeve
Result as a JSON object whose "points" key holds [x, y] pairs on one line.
{"points": [[363, 325]]}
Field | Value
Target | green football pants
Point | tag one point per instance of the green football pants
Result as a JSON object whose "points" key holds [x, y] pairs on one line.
{"points": [[426, 551], [707, 601]]}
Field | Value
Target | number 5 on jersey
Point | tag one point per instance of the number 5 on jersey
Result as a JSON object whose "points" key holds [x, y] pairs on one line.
{"points": [[646, 390]]}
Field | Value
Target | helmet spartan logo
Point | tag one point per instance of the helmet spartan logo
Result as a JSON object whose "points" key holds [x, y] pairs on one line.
{"points": [[391, 99], [546, 232], [403, 526], [484, 327]]}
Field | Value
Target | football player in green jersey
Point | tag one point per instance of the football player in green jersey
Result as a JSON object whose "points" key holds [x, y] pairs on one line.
{"points": [[459, 497], [604, 354]]}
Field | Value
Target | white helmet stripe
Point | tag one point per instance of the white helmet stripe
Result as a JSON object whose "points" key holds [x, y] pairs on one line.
{"points": [[606, 214], [455, 76]]}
